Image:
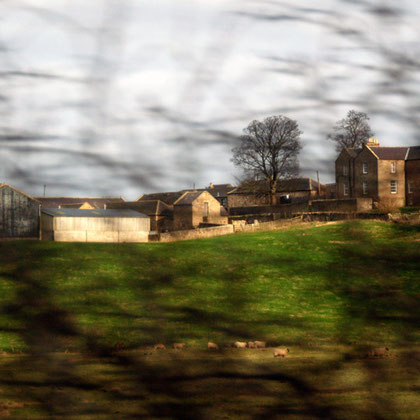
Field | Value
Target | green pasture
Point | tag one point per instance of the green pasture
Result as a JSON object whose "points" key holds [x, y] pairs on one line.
{"points": [[78, 322]]}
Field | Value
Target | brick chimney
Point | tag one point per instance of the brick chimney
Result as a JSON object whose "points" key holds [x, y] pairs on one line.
{"points": [[372, 142]]}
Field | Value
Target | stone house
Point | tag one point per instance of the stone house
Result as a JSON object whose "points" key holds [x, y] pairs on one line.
{"points": [[160, 214], [196, 207], [412, 174], [296, 190], [19, 214], [375, 172]]}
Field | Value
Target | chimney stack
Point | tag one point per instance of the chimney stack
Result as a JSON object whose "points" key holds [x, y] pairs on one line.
{"points": [[372, 142]]}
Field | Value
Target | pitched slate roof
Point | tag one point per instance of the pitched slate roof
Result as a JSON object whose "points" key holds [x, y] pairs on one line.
{"points": [[167, 197], [389, 153], [93, 213], [413, 153], [95, 202], [188, 198], [284, 185], [149, 207]]}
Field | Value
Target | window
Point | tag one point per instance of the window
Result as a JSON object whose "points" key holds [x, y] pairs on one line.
{"points": [[394, 187], [346, 188], [345, 170], [393, 167], [206, 209], [365, 167], [365, 187], [410, 188]]}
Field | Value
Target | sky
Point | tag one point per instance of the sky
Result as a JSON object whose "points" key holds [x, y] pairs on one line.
{"points": [[124, 97]]}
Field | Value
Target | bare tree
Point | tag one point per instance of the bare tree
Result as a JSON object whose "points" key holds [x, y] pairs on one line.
{"points": [[352, 131], [268, 150]]}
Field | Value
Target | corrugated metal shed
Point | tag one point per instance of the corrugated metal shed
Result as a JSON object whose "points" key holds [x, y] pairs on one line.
{"points": [[93, 213]]}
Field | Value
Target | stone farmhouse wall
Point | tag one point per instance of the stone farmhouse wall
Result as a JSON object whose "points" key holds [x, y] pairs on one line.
{"points": [[412, 168]]}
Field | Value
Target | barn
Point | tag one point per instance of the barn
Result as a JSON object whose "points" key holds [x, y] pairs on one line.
{"points": [[19, 214], [98, 225]]}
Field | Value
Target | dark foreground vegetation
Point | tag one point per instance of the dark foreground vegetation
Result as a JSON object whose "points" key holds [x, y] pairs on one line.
{"points": [[78, 320]]}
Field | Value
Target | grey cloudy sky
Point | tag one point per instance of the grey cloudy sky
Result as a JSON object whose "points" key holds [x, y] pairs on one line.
{"points": [[122, 97]]}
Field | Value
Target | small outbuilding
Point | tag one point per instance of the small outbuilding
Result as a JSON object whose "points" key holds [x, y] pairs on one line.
{"points": [[195, 208], [19, 214], [99, 225]]}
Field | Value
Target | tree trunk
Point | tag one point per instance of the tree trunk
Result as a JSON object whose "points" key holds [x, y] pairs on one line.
{"points": [[273, 190]]}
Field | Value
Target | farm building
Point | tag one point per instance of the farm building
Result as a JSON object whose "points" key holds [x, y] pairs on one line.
{"points": [[295, 190], [19, 214], [161, 214], [68, 225], [196, 207], [78, 202]]}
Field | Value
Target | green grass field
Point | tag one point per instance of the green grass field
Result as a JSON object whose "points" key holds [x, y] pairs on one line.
{"points": [[328, 292]]}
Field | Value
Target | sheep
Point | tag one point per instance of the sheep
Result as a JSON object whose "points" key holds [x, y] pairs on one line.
{"points": [[377, 352], [239, 344], [281, 351], [160, 347], [251, 345], [178, 346], [260, 344], [212, 346]]}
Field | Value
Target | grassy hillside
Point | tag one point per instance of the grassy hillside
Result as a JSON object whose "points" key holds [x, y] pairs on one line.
{"points": [[334, 283], [328, 292]]}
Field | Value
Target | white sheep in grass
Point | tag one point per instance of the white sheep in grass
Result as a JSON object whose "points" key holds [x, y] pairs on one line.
{"points": [[212, 346], [160, 347], [251, 345], [260, 344], [377, 352], [281, 351], [178, 346], [239, 344]]}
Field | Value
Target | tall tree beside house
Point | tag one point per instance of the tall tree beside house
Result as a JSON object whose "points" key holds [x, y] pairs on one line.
{"points": [[352, 131], [268, 150]]}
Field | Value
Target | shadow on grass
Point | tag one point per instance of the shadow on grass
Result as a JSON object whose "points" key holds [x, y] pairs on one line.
{"points": [[86, 317]]}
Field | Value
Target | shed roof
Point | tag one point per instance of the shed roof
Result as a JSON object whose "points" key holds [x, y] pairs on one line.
{"points": [[284, 185], [126, 213], [167, 197], [149, 207], [95, 202], [413, 153]]}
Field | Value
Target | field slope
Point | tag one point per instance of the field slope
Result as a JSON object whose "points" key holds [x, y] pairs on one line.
{"points": [[328, 292]]}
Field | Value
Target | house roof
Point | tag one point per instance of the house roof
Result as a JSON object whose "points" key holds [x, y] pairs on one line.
{"points": [[167, 197], [126, 213], [413, 153], [95, 202], [284, 185], [354, 152], [149, 207], [389, 153], [2, 185], [188, 198]]}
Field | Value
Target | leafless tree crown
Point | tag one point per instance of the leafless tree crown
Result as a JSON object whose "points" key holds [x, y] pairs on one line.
{"points": [[268, 150], [352, 131]]}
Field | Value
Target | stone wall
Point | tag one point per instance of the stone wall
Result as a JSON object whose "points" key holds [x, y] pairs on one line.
{"points": [[341, 205], [413, 177], [182, 235]]}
